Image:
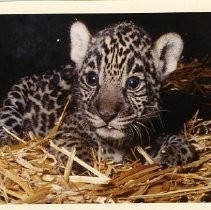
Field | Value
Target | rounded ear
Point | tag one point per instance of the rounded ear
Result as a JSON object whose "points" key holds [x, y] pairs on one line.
{"points": [[80, 37], [166, 52]]}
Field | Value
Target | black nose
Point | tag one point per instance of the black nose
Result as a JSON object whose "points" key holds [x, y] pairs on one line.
{"points": [[107, 116]]}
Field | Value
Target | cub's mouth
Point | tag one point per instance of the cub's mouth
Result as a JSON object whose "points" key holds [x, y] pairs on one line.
{"points": [[109, 132]]}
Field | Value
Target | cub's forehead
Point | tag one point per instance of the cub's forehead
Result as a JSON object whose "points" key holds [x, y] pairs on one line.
{"points": [[125, 34], [122, 47]]}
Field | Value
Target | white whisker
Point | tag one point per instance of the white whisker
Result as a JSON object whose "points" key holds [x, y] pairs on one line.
{"points": [[146, 129]]}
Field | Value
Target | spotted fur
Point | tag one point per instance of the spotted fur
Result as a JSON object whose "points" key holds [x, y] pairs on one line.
{"points": [[114, 87]]}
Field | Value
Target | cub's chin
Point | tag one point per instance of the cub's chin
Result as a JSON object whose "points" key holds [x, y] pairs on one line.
{"points": [[110, 133]]}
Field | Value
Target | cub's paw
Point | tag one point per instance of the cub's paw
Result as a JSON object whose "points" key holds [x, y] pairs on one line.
{"points": [[108, 152], [174, 151]]}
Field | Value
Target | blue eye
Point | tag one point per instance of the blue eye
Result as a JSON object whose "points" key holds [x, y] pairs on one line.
{"points": [[133, 83], [92, 78]]}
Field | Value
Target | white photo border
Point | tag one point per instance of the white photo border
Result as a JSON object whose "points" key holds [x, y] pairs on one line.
{"points": [[96, 7]]}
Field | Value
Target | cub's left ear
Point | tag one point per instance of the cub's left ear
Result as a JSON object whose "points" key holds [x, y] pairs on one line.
{"points": [[166, 52], [80, 37]]}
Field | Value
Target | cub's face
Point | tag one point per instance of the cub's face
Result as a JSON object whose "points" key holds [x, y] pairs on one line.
{"points": [[120, 74]]}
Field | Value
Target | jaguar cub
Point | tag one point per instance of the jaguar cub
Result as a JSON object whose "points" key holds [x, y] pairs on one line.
{"points": [[114, 85]]}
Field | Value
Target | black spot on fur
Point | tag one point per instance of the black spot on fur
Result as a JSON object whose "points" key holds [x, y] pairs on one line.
{"points": [[184, 150], [51, 105], [17, 88], [16, 95], [17, 114], [91, 64], [10, 122], [121, 40], [130, 64], [170, 151], [17, 128], [25, 87], [62, 99], [136, 42], [36, 108], [110, 150], [126, 52], [148, 55], [52, 120], [127, 39], [137, 69], [46, 97], [44, 118], [105, 47], [8, 102], [37, 96], [35, 120], [20, 107], [106, 61], [4, 116]]}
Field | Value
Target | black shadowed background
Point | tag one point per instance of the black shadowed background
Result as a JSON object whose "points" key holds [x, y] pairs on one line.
{"points": [[36, 43]]}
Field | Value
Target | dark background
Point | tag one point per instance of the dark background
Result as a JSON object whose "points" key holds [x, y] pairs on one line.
{"points": [[36, 43]]}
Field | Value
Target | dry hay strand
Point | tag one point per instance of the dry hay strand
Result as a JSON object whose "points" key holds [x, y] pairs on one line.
{"points": [[30, 174], [193, 78]]}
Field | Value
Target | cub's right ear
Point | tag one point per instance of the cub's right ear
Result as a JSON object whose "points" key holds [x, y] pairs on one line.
{"points": [[80, 38], [167, 51]]}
